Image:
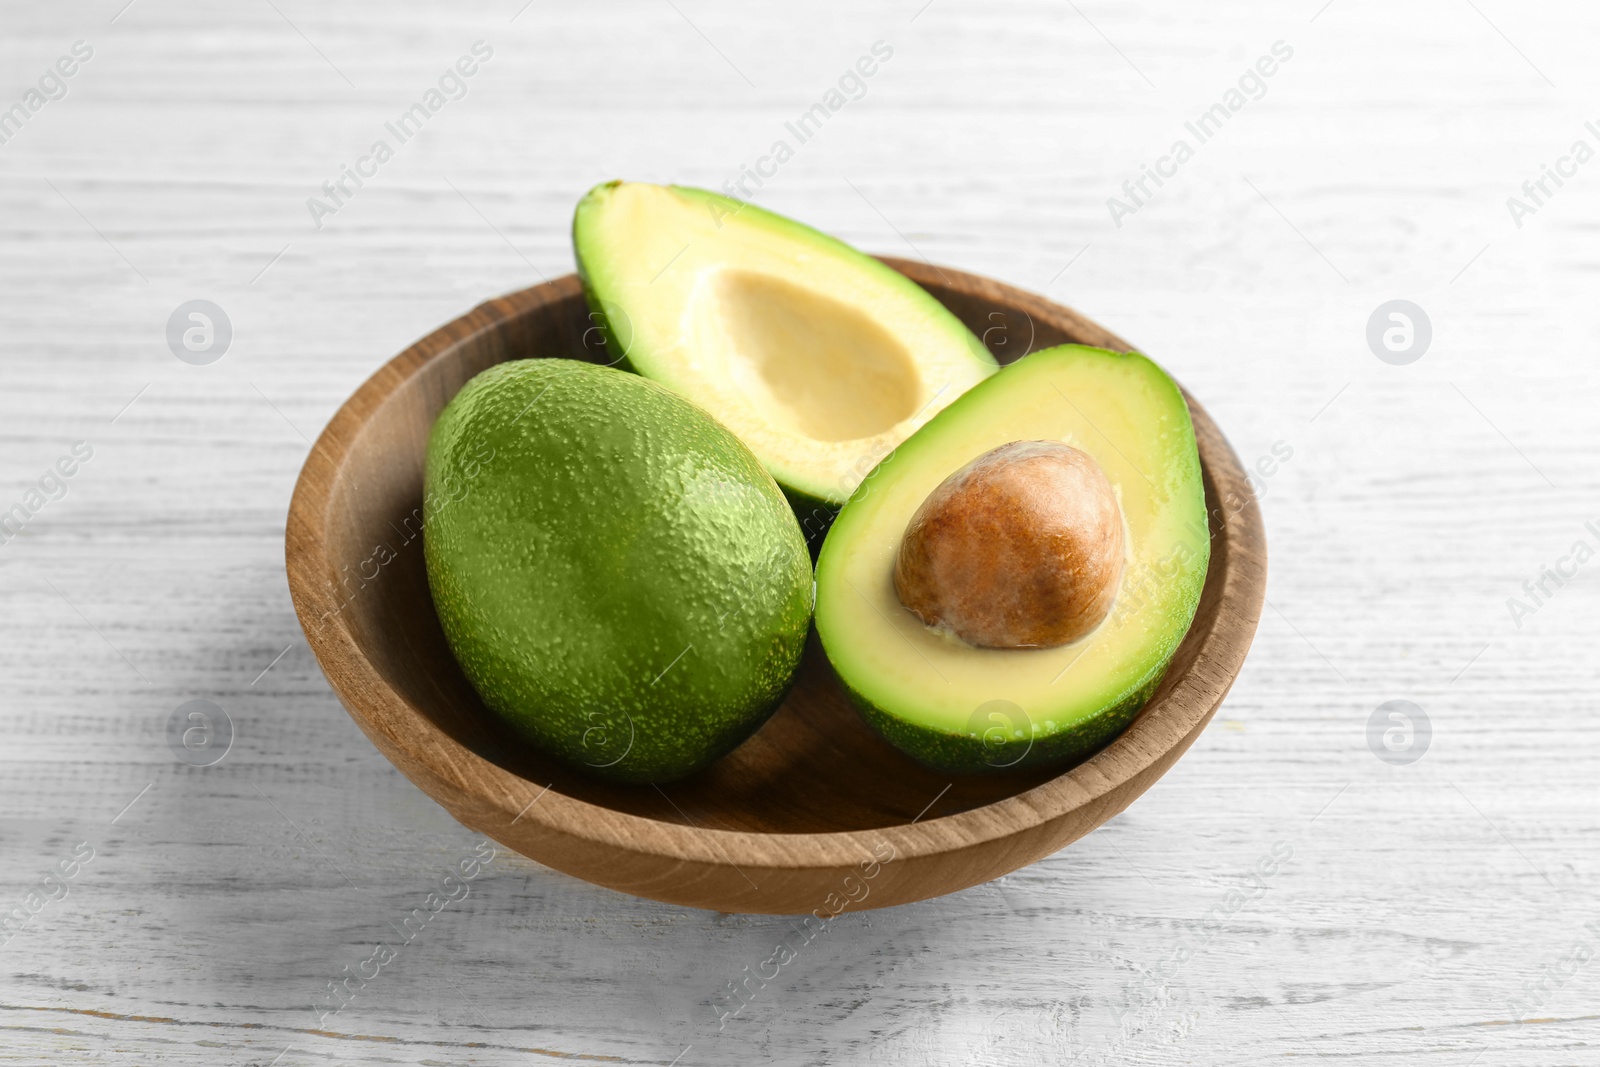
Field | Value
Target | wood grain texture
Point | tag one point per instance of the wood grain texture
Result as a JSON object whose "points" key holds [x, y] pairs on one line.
{"points": [[793, 820], [1421, 902]]}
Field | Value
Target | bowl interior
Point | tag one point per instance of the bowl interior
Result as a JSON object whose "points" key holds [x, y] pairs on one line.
{"points": [[815, 766]]}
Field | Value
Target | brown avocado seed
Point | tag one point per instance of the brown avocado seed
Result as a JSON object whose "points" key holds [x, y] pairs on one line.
{"points": [[1021, 548]]}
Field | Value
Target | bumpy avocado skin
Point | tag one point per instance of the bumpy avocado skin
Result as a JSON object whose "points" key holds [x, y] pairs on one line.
{"points": [[618, 576]]}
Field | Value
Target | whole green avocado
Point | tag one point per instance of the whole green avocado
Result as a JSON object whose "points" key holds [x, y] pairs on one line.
{"points": [[619, 577]]}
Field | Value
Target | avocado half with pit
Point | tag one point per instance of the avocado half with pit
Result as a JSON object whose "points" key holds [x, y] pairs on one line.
{"points": [[818, 357], [1008, 587]]}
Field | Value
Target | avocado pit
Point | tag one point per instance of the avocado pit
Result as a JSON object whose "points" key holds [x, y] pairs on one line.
{"points": [[1020, 548]]}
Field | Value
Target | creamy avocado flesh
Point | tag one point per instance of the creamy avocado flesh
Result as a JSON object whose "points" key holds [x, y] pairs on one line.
{"points": [[818, 357], [963, 708]]}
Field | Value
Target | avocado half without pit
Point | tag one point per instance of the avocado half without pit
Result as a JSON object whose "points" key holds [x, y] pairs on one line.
{"points": [[1007, 588], [821, 359]]}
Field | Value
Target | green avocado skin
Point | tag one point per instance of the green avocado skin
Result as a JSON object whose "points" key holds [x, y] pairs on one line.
{"points": [[972, 754], [618, 576]]}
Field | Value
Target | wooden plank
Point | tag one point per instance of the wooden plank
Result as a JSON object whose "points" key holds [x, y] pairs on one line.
{"points": [[1416, 911]]}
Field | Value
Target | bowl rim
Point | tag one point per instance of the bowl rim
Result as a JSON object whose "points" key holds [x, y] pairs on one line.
{"points": [[455, 776]]}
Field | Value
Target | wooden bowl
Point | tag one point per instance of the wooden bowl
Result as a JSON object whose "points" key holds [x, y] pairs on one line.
{"points": [[814, 813]]}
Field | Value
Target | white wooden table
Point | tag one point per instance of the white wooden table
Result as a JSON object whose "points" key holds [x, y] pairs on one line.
{"points": [[1426, 912]]}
